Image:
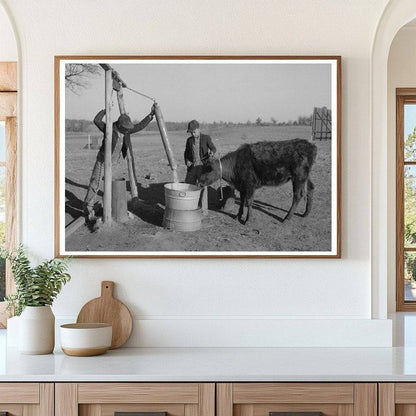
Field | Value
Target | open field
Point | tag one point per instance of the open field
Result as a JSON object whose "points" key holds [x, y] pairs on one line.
{"points": [[220, 231]]}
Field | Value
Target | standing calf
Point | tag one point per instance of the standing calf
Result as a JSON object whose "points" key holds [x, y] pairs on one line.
{"points": [[253, 166]]}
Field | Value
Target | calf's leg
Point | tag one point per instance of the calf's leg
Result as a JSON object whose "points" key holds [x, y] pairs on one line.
{"points": [[297, 195], [309, 197], [242, 202], [249, 197]]}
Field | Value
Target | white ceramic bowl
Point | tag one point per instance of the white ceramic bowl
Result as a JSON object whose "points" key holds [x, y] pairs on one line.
{"points": [[83, 340]]}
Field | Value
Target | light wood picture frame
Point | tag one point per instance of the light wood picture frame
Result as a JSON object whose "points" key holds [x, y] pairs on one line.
{"points": [[404, 288], [8, 116], [274, 122]]}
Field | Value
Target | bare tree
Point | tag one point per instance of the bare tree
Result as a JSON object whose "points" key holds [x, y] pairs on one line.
{"points": [[77, 76]]}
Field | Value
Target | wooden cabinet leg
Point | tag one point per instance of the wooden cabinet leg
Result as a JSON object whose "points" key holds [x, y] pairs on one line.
{"points": [[386, 399], [207, 399], [66, 399], [224, 399], [365, 399]]}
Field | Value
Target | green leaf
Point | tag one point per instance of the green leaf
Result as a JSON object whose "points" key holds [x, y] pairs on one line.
{"points": [[35, 286]]}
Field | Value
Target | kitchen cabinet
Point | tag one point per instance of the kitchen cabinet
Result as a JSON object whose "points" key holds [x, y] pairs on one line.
{"points": [[397, 399], [296, 399], [230, 399], [208, 399], [152, 399], [27, 399]]}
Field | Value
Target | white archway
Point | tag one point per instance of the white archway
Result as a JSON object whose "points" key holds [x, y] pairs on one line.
{"points": [[9, 47], [396, 14]]}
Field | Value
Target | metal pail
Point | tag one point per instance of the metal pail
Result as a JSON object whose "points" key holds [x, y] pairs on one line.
{"points": [[181, 196], [180, 220]]}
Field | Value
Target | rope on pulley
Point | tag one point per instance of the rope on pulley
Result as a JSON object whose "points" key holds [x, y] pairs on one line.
{"points": [[140, 93], [118, 80]]}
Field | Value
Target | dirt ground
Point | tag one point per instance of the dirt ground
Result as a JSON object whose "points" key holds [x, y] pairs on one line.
{"points": [[220, 231]]}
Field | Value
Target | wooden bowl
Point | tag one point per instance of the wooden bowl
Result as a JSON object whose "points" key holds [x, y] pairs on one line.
{"points": [[84, 340]]}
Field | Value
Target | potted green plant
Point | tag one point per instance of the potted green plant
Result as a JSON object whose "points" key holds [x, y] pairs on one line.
{"points": [[36, 289]]}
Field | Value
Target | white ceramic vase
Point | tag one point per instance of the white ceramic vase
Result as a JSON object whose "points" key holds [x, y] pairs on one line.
{"points": [[37, 330]]}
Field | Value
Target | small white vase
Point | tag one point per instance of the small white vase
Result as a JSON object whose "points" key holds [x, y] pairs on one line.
{"points": [[37, 330]]}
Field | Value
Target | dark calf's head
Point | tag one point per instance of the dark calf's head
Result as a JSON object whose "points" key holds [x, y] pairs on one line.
{"points": [[210, 173]]}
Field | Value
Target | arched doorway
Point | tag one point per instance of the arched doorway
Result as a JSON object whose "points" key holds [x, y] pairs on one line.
{"points": [[396, 14]]}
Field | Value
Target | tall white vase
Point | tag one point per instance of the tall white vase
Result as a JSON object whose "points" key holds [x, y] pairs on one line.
{"points": [[37, 330]]}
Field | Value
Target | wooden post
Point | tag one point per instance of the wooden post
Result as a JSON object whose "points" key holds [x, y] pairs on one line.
{"points": [[120, 100], [132, 176], [204, 200], [129, 156], [89, 141], [314, 124], [119, 200], [166, 144], [107, 148]]}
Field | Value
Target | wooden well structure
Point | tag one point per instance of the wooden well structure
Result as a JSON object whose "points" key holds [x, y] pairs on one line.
{"points": [[113, 82]]}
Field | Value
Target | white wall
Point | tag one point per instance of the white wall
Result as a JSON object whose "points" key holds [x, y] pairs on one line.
{"points": [[401, 74], [179, 302], [8, 47]]}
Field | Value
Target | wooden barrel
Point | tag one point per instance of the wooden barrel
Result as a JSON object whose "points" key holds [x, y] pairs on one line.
{"points": [[182, 196], [119, 200], [181, 220]]}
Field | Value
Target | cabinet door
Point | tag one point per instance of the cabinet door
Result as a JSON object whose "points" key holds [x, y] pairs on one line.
{"points": [[27, 399], [397, 399], [145, 399], [297, 399]]}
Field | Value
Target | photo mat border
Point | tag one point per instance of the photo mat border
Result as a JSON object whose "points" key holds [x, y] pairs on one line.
{"points": [[59, 233]]}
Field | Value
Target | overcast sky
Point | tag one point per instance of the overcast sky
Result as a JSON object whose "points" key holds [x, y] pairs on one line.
{"points": [[213, 92]]}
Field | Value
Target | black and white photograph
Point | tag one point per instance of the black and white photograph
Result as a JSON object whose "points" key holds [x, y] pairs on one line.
{"points": [[197, 156]]}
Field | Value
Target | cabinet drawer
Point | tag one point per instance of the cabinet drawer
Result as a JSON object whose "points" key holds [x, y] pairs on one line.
{"points": [[143, 409], [19, 393], [107, 399], [138, 393], [296, 399]]}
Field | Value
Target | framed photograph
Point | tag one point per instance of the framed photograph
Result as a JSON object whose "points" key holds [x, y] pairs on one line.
{"points": [[198, 156]]}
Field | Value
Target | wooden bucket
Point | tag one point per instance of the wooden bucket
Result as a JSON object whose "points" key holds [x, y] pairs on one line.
{"points": [[119, 200]]}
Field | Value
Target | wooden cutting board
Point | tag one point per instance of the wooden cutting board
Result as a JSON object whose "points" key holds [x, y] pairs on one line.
{"points": [[107, 309]]}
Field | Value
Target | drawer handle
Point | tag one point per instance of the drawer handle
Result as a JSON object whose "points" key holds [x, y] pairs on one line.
{"points": [[139, 414], [296, 414]]}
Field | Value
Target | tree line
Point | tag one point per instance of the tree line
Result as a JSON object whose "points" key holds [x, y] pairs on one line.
{"points": [[87, 126]]}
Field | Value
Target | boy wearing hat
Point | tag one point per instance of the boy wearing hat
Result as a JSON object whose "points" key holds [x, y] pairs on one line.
{"points": [[123, 126], [199, 148]]}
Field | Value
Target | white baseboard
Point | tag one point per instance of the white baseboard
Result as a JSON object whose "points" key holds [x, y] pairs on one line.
{"points": [[247, 332]]}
